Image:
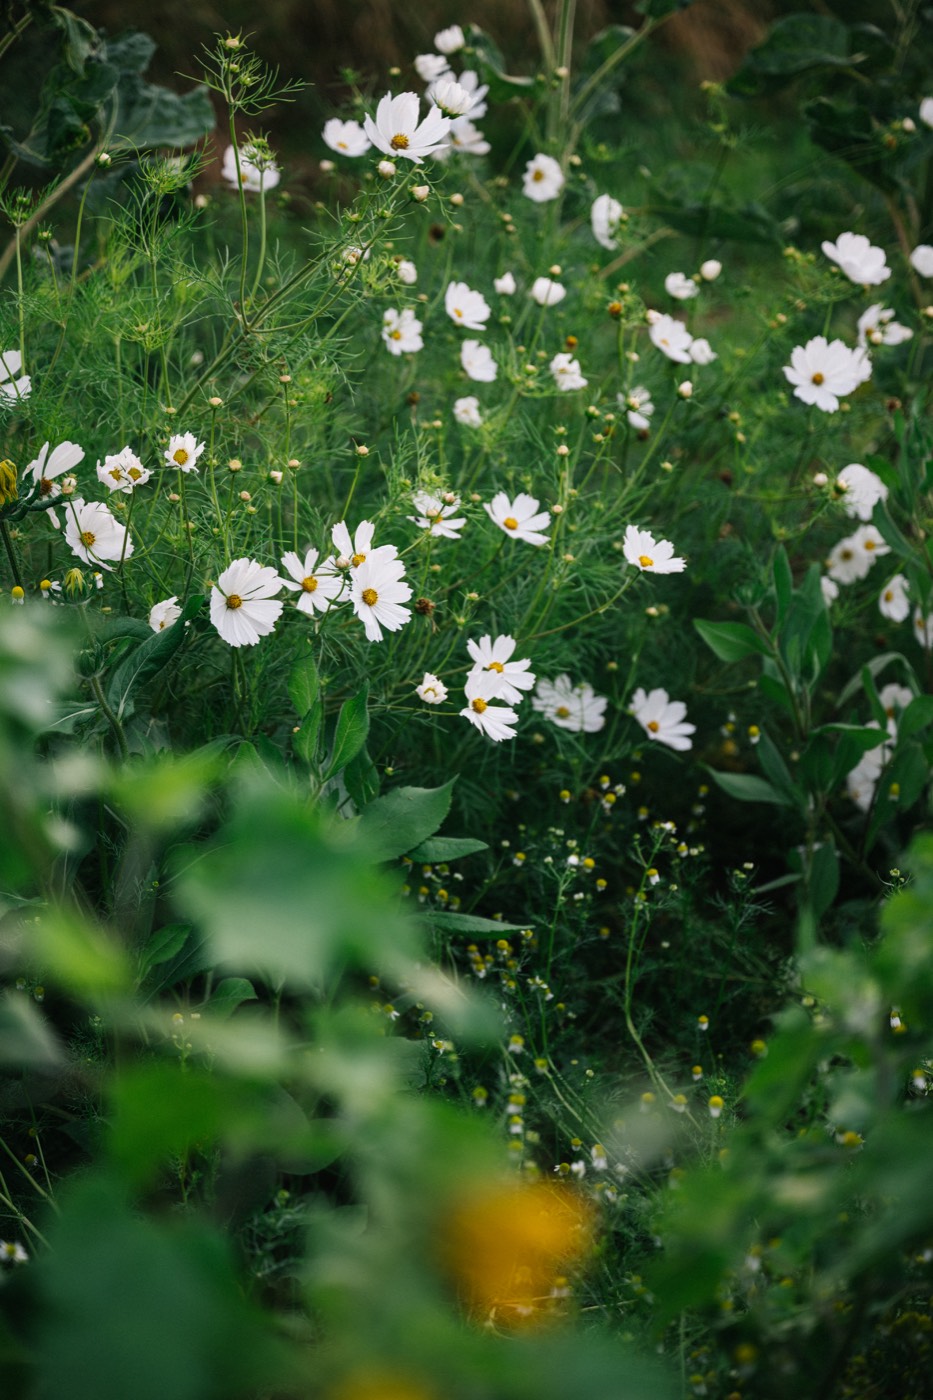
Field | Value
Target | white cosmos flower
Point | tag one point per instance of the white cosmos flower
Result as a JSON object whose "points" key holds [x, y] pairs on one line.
{"points": [[894, 699], [49, 465], [495, 721], [893, 602], [356, 549], [347, 138], [507, 678], [432, 690], [317, 585], [476, 359], [401, 332], [466, 411], [663, 718], [543, 179], [701, 352], [926, 111], [122, 471], [638, 406], [877, 326], [11, 388], [547, 292], [858, 259], [923, 629], [650, 555], [164, 614], [822, 371], [183, 451], [567, 373], [605, 217], [921, 259], [378, 590], [258, 173], [852, 557], [504, 285], [449, 40], [863, 779], [452, 99], [829, 589], [680, 286], [435, 516], [670, 336], [863, 489], [469, 82], [465, 307], [574, 707], [431, 66], [243, 602], [406, 272], [519, 518], [94, 534], [397, 132], [465, 139]]}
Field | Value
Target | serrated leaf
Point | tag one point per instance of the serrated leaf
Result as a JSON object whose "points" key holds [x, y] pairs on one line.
{"points": [[440, 849], [731, 641], [401, 819], [351, 732]]}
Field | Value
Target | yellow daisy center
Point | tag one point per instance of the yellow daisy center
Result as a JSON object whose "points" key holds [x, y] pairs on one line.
{"points": [[496, 666], [653, 726], [646, 561], [458, 312], [180, 456], [399, 141], [370, 596], [309, 584], [510, 522], [538, 175], [818, 378], [869, 544], [357, 560], [562, 712], [134, 473], [234, 600], [88, 537], [478, 705], [46, 486], [395, 335]]}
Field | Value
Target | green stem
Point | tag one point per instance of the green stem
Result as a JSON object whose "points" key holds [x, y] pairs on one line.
{"points": [[11, 553], [110, 717]]}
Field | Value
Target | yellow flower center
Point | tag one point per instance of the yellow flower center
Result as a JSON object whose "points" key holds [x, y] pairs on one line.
{"points": [[869, 544], [134, 473], [496, 666], [646, 561], [342, 145], [845, 554], [478, 705], [234, 600], [370, 596], [395, 335], [88, 537], [818, 378], [562, 712], [116, 473], [458, 312], [180, 456], [538, 175], [309, 584], [357, 560], [46, 486], [510, 522], [653, 726], [399, 141]]}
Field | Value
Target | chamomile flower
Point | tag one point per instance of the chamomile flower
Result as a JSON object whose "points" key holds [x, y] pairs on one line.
{"points": [[12, 1252], [567, 373], [573, 707], [466, 307], [397, 132], [435, 516], [851, 558], [923, 629], [476, 358], [638, 407], [164, 614], [401, 332], [858, 259], [347, 138], [48, 466], [670, 336], [863, 490], [317, 585], [862, 781], [605, 217], [877, 326], [679, 286], [519, 518], [543, 179], [183, 451], [466, 411], [507, 678], [378, 590], [258, 171], [650, 555], [432, 690], [497, 722], [823, 371], [13, 388], [663, 719], [122, 471], [244, 607], [94, 534], [546, 292], [893, 602], [356, 549]]}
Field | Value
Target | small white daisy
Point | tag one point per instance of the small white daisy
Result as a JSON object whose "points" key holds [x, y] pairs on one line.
{"points": [[466, 307], [466, 411], [543, 179], [378, 590], [258, 172], [497, 722], [476, 358], [317, 585], [547, 292], [567, 373], [505, 285], [396, 130], [877, 326], [605, 217], [519, 518], [576, 708], [12, 389], [347, 138], [356, 549], [244, 607], [893, 602], [401, 331], [183, 451], [862, 488], [164, 614], [435, 515], [507, 678], [679, 286], [670, 336], [432, 690], [861, 262], [823, 371], [650, 555], [94, 534], [663, 719]]}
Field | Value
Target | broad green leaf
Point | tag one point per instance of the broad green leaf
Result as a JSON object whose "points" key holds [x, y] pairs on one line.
{"points": [[230, 993], [783, 583], [79, 954], [401, 819], [446, 848], [823, 881], [502, 85], [470, 924], [351, 732], [164, 944], [875, 666], [305, 740], [918, 714], [776, 770], [731, 641], [362, 779], [304, 685], [147, 659], [795, 44], [746, 787]]}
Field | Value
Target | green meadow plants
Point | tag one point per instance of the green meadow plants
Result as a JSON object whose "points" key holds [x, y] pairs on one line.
{"points": [[465, 705]]}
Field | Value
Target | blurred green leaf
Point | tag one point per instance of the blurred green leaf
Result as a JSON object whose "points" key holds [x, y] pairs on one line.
{"points": [[795, 44], [164, 944], [27, 1041], [80, 955], [149, 658], [444, 848], [470, 924], [746, 787], [230, 993]]}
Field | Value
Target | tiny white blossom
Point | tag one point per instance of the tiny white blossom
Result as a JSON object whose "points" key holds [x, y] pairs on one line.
{"points": [[680, 286], [401, 332], [701, 352], [520, 517], [547, 292], [466, 307], [923, 629], [466, 411], [829, 589], [710, 270], [877, 326], [377, 593], [505, 285], [452, 99], [638, 406], [642, 550], [858, 259], [663, 719], [348, 138], [431, 66], [406, 272], [449, 40], [432, 690], [543, 179], [893, 602], [476, 358], [258, 173], [926, 111], [576, 708], [50, 465], [183, 451], [317, 585], [921, 259], [851, 558], [605, 217], [435, 515], [823, 371], [507, 678], [243, 604], [464, 139], [496, 721], [397, 132], [122, 471], [12, 388], [863, 490], [670, 336], [164, 614], [358, 547], [567, 373]]}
